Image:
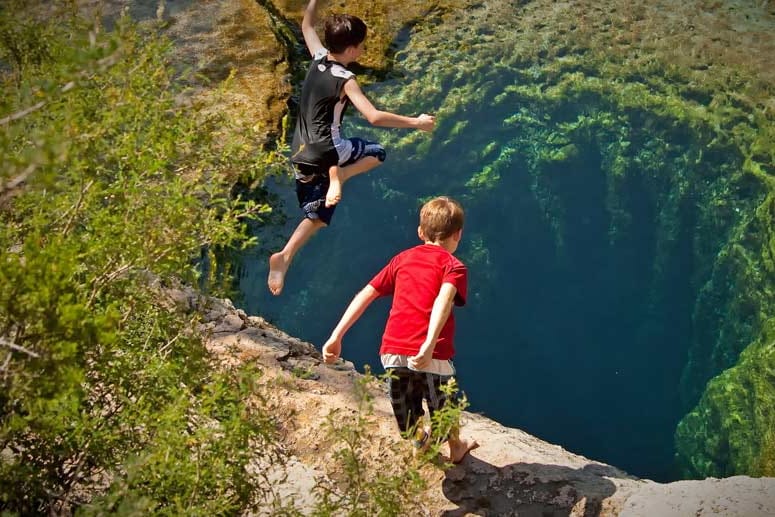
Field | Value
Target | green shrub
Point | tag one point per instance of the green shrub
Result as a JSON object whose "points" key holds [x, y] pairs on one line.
{"points": [[111, 182], [365, 485]]}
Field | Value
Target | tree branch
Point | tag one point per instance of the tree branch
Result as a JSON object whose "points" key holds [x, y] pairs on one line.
{"points": [[7, 189], [21, 114], [73, 210], [4, 342]]}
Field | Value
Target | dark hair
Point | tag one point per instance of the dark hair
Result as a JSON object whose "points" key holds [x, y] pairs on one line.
{"points": [[342, 31], [440, 217]]}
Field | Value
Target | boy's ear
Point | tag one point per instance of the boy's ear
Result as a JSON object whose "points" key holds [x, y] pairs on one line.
{"points": [[420, 234]]}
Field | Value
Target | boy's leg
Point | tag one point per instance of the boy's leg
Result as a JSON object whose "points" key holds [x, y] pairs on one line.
{"points": [[279, 262], [311, 195], [405, 400], [339, 175], [365, 164], [458, 447], [365, 156], [406, 391]]}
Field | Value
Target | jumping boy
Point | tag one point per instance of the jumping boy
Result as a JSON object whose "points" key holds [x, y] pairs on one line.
{"points": [[322, 159], [417, 345]]}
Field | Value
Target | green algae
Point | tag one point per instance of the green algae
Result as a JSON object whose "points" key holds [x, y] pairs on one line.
{"points": [[703, 149], [731, 429]]}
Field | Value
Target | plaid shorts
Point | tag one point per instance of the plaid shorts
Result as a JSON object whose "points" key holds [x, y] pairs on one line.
{"points": [[408, 388]]}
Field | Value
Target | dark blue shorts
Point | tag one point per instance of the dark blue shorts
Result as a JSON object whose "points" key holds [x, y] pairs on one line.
{"points": [[312, 188], [363, 148], [312, 198]]}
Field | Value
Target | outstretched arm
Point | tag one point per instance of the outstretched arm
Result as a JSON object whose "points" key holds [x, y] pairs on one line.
{"points": [[363, 299], [442, 306], [308, 28], [384, 118]]}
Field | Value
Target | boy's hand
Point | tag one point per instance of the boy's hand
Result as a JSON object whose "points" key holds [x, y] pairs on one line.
{"points": [[422, 360], [331, 350], [426, 122]]}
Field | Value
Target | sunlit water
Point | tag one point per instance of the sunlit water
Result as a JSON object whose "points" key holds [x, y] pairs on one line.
{"points": [[576, 328], [564, 347]]}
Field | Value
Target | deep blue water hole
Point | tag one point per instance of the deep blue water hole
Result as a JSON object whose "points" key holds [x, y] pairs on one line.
{"points": [[576, 340]]}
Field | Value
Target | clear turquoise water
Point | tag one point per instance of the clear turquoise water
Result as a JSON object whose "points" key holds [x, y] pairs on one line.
{"points": [[568, 345], [579, 317]]}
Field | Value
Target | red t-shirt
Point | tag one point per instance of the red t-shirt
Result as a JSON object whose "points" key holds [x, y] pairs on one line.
{"points": [[414, 278]]}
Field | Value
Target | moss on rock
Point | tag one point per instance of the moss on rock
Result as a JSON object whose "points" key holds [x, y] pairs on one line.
{"points": [[732, 429]]}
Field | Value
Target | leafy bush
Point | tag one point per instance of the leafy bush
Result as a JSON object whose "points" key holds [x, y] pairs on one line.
{"points": [[112, 181], [366, 485], [387, 482]]}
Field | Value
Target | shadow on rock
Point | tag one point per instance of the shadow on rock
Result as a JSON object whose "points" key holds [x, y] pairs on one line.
{"points": [[527, 489]]}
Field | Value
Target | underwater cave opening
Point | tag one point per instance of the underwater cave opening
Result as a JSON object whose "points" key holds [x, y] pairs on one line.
{"points": [[580, 306], [583, 332]]}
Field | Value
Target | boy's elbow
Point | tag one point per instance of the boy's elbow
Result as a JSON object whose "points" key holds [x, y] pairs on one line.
{"points": [[374, 119], [378, 118]]}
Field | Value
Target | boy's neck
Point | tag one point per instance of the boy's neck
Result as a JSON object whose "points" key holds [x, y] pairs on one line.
{"points": [[339, 58], [448, 244]]}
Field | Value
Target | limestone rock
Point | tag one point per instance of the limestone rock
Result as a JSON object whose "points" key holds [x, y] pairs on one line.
{"points": [[511, 473]]}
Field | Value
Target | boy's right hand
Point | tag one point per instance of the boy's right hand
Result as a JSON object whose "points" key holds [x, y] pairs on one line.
{"points": [[331, 350], [426, 122]]}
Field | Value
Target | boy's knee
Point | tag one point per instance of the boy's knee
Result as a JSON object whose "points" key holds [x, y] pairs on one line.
{"points": [[319, 223], [365, 149], [380, 154], [375, 150]]}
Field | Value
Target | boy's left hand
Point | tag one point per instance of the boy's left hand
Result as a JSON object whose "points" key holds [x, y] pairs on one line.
{"points": [[421, 360], [331, 350], [426, 122]]}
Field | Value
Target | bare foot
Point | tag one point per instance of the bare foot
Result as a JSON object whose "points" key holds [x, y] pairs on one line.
{"points": [[459, 448], [277, 269], [334, 193]]}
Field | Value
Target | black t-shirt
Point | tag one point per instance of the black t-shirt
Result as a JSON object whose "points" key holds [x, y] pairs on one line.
{"points": [[321, 109]]}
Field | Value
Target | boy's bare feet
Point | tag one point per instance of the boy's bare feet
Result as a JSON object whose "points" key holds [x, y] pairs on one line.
{"points": [[278, 266], [334, 193], [459, 448]]}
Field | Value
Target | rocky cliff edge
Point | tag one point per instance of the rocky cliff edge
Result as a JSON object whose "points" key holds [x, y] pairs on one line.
{"points": [[511, 473]]}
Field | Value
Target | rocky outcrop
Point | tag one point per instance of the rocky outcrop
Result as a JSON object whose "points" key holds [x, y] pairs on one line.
{"points": [[511, 473]]}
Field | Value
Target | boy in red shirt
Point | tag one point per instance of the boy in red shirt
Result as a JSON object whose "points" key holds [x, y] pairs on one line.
{"points": [[417, 345]]}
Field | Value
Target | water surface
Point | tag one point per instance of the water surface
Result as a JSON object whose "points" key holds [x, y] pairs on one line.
{"points": [[579, 239]]}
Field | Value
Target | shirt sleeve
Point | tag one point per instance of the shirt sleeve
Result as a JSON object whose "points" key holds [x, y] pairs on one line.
{"points": [[320, 53], [457, 275], [384, 281]]}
